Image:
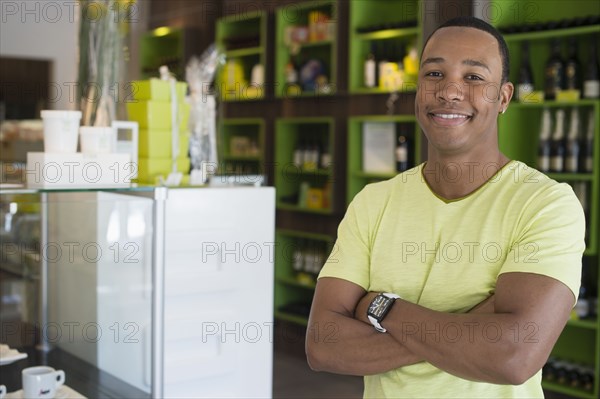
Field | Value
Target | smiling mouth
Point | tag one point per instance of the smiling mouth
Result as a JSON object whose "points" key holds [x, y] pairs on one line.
{"points": [[449, 119]]}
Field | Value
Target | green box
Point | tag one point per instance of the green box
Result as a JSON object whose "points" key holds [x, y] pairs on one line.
{"points": [[156, 115], [157, 89], [149, 169], [157, 144]]}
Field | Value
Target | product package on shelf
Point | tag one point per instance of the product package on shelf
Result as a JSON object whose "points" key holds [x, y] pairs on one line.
{"points": [[160, 108]]}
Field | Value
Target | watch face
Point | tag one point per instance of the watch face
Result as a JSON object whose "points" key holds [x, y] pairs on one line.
{"points": [[379, 306]]}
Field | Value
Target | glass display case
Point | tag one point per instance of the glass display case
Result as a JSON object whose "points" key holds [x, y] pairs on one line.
{"points": [[77, 273]]}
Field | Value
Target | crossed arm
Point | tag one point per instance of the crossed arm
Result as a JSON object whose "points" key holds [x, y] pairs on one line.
{"points": [[504, 340]]}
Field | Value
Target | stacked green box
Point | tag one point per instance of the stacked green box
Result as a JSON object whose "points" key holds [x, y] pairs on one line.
{"points": [[151, 108]]}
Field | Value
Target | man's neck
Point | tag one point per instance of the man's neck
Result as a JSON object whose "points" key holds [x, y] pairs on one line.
{"points": [[456, 176]]}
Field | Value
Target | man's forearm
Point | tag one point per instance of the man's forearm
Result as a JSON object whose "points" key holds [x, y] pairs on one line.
{"points": [[341, 344]]}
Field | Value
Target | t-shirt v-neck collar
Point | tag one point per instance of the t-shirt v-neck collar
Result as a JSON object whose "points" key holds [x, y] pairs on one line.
{"points": [[471, 194]]}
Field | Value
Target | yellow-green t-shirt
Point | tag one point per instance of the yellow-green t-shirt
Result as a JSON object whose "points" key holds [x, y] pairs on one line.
{"points": [[398, 236]]}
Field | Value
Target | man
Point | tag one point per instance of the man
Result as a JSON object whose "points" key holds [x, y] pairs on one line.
{"points": [[483, 252]]}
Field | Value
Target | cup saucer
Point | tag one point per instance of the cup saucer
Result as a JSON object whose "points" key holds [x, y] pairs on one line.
{"points": [[63, 392]]}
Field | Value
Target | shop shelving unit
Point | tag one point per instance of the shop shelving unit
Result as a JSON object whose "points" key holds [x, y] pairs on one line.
{"points": [[290, 133], [323, 49], [383, 26], [168, 46], [357, 178], [294, 284], [519, 136], [242, 38], [242, 146]]}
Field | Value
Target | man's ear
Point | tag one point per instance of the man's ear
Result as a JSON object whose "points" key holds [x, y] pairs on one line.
{"points": [[506, 93]]}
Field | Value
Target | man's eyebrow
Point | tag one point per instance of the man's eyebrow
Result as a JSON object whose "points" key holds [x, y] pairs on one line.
{"points": [[433, 60], [441, 60], [476, 63]]}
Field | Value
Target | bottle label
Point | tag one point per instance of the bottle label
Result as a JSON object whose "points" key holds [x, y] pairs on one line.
{"points": [[523, 90], [589, 164], [571, 164], [370, 73], [298, 158], [556, 164], [401, 154], [544, 163], [591, 89]]}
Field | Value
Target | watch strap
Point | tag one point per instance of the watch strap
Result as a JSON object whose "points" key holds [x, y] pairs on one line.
{"points": [[377, 323]]}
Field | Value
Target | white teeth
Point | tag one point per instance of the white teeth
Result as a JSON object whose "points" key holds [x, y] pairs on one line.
{"points": [[451, 116]]}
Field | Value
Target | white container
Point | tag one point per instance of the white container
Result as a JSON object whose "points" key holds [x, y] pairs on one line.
{"points": [[60, 130], [97, 140]]}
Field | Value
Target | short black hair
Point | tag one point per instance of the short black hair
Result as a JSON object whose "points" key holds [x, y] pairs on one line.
{"points": [[476, 23]]}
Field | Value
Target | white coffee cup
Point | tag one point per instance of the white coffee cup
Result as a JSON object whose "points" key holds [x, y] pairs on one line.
{"points": [[97, 140], [41, 381], [60, 130], [2, 391]]}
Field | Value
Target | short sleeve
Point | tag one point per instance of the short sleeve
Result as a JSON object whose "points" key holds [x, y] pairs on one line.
{"points": [[350, 256], [550, 237]]}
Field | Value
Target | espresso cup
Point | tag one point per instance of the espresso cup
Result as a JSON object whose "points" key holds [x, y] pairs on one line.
{"points": [[2, 391], [41, 382]]}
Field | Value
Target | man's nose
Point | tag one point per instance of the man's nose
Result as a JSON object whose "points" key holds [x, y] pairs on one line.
{"points": [[450, 91]]}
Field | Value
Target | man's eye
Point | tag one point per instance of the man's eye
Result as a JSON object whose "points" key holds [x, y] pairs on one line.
{"points": [[474, 77], [434, 74]]}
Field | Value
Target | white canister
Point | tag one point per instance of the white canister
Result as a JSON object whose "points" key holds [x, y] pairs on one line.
{"points": [[60, 130], [97, 140]]}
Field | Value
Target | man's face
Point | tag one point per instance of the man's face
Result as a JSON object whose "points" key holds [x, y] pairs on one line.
{"points": [[459, 95]]}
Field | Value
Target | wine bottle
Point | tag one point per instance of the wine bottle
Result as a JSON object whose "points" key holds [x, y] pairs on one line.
{"points": [[573, 143], [370, 68], [557, 148], [555, 71], [402, 152], [544, 143], [572, 67], [588, 156], [383, 60], [299, 155], [591, 83], [298, 256], [525, 85]]}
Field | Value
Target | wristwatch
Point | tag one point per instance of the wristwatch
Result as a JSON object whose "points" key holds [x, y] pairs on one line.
{"points": [[379, 308]]}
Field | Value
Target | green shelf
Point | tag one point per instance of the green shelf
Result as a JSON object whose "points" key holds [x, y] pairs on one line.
{"points": [[591, 324], [389, 33], [378, 176], [571, 176], [317, 43], [551, 34], [365, 13], [295, 283], [316, 172], [555, 104], [249, 25], [578, 393], [303, 234], [296, 208], [291, 317], [356, 177], [251, 129], [324, 49], [244, 52], [241, 158], [290, 134], [408, 88]]}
